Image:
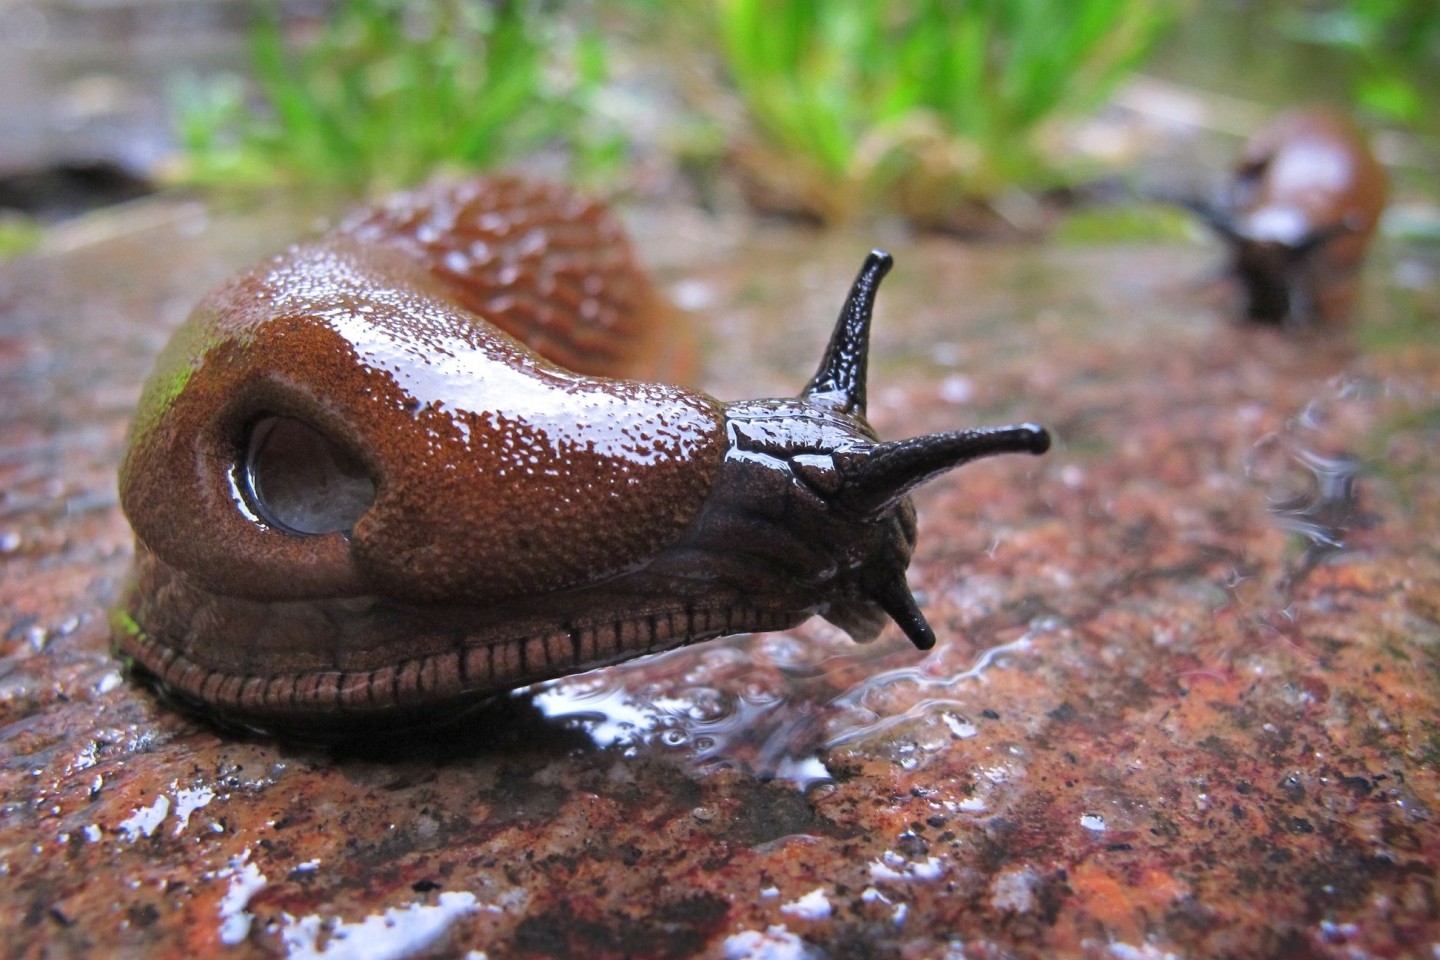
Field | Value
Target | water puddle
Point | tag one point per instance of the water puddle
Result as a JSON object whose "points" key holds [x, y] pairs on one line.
{"points": [[1322, 514], [1324, 469], [774, 705], [1313, 477]]}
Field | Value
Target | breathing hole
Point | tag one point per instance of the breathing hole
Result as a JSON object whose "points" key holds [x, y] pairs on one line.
{"points": [[301, 481]]}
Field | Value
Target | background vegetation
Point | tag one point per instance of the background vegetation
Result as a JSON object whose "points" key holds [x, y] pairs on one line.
{"points": [[923, 107], [390, 92], [936, 110], [1394, 49]]}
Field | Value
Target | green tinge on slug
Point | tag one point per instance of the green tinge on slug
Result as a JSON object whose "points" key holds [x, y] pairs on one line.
{"points": [[124, 631], [174, 369]]}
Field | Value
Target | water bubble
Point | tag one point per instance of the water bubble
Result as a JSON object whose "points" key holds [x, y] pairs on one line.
{"points": [[961, 728]]}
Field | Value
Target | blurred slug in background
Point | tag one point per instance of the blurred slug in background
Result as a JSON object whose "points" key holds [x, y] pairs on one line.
{"points": [[1297, 216]]}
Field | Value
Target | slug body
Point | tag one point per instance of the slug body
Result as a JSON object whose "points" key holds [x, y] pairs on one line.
{"points": [[1298, 214], [358, 496]]}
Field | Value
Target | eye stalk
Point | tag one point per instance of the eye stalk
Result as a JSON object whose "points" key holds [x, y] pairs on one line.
{"points": [[844, 368], [887, 472]]}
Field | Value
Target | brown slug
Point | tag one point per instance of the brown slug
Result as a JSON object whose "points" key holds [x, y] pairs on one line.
{"points": [[1299, 211], [360, 497]]}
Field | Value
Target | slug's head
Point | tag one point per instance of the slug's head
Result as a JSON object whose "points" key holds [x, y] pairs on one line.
{"points": [[1276, 261], [807, 490], [1276, 249]]}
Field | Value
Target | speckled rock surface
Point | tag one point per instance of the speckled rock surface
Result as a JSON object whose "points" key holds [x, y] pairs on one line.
{"points": [[1184, 701]]}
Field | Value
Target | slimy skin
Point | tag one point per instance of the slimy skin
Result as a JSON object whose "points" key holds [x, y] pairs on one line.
{"points": [[361, 494]]}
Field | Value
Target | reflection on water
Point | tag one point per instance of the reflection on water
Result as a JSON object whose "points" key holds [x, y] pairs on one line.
{"points": [[1323, 514], [773, 713], [1312, 476], [866, 717]]}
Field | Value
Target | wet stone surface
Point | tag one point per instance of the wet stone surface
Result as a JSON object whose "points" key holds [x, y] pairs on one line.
{"points": [[1183, 703]]}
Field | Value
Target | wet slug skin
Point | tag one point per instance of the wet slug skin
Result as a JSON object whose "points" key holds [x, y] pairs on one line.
{"points": [[388, 473]]}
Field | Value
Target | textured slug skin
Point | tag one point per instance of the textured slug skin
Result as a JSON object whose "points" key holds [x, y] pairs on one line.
{"points": [[506, 487], [1309, 174]]}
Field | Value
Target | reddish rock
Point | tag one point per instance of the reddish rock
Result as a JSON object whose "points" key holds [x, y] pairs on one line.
{"points": [[1161, 718]]}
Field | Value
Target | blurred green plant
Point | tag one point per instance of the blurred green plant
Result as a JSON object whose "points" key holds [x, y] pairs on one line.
{"points": [[922, 106], [18, 234], [1127, 223], [1396, 48], [390, 92]]}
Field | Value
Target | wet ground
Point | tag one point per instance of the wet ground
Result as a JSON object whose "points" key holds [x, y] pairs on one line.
{"points": [[1184, 700]]}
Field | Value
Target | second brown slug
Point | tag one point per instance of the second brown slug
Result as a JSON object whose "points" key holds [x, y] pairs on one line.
{"points": [[359, 497], [1297, 215]]}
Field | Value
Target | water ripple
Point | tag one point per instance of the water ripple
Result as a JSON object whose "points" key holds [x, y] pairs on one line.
{"points": [[770, 705]]}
